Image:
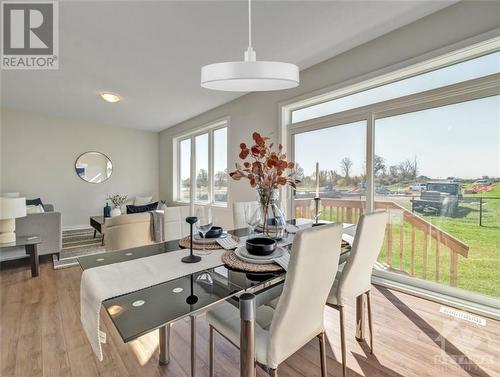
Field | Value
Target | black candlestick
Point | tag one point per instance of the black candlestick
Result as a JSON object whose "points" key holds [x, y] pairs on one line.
{"points": [[317, 203], [191, 258]]}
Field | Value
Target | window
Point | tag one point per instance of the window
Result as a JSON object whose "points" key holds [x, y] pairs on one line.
{"points": [[341, 167], [185, 170], [202, 165], [432, 162], [202, 184], [220, 165], [448, 229], [467, 70]]}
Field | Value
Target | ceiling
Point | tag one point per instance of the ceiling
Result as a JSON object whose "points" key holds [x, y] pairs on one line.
{"points": [[151, 52]]}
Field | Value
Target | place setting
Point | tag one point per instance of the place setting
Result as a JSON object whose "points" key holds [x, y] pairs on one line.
{"points": [[207, 237]]}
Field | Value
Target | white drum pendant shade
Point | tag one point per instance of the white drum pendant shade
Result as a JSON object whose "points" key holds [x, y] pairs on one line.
{"points": [[249, 75]]}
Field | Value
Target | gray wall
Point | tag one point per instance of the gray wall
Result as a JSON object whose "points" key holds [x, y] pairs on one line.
{"points": [[259, 111], [38, 153]]}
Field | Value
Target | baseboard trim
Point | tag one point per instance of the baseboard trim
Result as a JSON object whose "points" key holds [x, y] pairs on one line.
{"points": [[76, 227]]}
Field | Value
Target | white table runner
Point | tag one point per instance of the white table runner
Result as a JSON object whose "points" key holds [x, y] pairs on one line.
{"points": [[104, 282]]}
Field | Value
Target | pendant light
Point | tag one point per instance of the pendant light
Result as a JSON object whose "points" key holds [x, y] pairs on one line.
{"points": [[249, 75]]}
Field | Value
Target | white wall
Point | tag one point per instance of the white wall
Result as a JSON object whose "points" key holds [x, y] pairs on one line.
{"points": [[38, 154], [260, 111]]}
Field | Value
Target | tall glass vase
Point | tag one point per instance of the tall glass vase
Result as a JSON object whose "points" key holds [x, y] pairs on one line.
{"points": [[272, 217]]}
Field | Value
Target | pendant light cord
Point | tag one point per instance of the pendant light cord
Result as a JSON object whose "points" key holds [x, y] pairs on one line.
{"points": [[250, 23], [250, 53]]}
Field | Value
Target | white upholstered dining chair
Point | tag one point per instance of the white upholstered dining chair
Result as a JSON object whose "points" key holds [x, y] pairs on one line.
{"points": [[298, 316], [354, 276], [239, 210]]}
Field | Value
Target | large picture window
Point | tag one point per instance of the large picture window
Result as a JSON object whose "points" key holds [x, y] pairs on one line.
{"points": [[202, 166], [425, 148]]}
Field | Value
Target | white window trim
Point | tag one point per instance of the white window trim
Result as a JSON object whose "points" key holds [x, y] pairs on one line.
{"points": [[209, 128], [455, 93]]}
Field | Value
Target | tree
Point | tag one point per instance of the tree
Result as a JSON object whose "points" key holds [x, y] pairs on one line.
{"points": [[346, 165], [378, 165], [299, 172], [202, 178], [221, 178], [408, 170]]}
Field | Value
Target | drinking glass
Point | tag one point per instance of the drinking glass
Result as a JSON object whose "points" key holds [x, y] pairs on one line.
{"points": [[252, 218], [203, 225]]}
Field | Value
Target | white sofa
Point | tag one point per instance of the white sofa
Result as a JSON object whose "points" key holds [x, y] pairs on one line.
{"points": [[133, 230]]}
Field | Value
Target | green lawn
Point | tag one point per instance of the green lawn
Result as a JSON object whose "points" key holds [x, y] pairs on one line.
{"points": [[480, 271]]}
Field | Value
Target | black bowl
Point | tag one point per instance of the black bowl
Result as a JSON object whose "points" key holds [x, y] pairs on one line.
{"points": [[261, 246], [214, 232]]}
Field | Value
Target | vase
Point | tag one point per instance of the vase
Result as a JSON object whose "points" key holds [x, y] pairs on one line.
{"points": [[107, 211], [272, 220], [116, 212]]}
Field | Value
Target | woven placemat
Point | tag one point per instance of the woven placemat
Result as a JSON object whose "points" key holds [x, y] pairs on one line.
{"points": [[185, 243], [231, 260]]}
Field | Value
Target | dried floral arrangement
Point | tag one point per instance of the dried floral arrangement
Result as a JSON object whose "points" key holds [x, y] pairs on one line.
{"points": [[265, 167], [117, 200]]}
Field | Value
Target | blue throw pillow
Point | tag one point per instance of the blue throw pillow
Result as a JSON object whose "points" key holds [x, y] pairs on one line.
{"points": [[34, 202], [144, 208]]}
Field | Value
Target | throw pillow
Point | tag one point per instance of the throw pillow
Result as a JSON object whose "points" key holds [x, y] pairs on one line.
{"points": [[34, 202], [142, 200], [144, 208], [34, 209]]}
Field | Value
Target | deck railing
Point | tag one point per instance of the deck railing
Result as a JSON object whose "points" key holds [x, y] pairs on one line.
{"points": [[406, 234]]}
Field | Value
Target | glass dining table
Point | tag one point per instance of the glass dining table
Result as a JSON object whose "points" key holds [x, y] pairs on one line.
{"points": [[157, 307]]}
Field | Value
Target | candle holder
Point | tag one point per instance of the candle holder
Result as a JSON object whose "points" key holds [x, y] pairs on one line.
{"points": [[191, 258], [317, 212]]}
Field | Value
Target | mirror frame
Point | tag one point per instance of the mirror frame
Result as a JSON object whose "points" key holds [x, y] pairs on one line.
{"points": [[94, 183]]}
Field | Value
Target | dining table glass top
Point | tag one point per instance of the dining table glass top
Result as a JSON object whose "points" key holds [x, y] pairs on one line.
{"points": [[140, 312]]}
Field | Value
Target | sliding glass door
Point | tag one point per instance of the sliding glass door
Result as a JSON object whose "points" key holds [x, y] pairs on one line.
{"points": [[436, 173], [428, 154], [331, 164]]}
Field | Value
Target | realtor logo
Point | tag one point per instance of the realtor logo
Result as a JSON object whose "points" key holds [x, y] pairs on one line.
{"points": [[30, 35]]}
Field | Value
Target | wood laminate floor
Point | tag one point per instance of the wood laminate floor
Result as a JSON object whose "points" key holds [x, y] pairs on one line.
{"points": [[41, 335]]}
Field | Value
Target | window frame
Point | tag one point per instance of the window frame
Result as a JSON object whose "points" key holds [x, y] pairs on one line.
{"points": [[209, 129], [464, 91]]}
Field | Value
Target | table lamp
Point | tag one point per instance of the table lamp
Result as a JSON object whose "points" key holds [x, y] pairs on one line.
{"points": [[10, 209]]}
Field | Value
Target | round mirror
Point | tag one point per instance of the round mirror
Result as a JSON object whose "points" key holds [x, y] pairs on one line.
{"points": [[93, 167]]}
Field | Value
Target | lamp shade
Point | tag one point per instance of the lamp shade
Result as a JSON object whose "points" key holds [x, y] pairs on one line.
{"points": [[249, 76], [11, 208]]}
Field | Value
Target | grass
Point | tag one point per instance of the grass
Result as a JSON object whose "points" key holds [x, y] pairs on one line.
{"points": [[480, 270]]}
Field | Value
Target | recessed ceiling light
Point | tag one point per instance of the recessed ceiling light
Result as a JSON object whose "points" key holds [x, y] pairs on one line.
{"points": [[110, 97]]}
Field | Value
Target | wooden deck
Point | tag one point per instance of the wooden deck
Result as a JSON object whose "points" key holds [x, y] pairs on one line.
{"points": [[41, 335]]}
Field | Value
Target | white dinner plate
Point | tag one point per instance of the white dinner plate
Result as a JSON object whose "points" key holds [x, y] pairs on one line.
{"points": [[208, 241], [242, 253]]}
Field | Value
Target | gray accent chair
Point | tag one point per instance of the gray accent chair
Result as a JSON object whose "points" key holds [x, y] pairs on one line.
{"points": [[47, 225]]}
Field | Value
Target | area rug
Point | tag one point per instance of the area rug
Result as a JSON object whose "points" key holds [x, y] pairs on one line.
{"points": [[77, 243]]}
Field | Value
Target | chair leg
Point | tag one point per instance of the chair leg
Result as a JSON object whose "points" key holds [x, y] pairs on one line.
{"points": [[273, 372], [322, 352], [342, 340], [211, 352], [370, 326]]}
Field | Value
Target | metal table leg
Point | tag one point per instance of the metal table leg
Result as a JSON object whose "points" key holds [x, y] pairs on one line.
{"points": [[360, 318], [247, 335], [164, 344], [32, 251], [193, 346]]}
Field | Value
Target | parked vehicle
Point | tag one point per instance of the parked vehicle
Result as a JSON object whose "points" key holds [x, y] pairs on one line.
{"points": [[482, 182], [418, 187], [439, 198]]}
